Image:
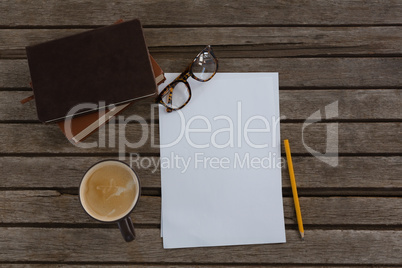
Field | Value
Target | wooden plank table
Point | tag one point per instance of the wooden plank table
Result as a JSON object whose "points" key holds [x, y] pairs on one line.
{"points": [[341, 51]]}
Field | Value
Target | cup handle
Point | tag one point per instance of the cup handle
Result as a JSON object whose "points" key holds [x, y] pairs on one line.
{"points": [[127, 229]]}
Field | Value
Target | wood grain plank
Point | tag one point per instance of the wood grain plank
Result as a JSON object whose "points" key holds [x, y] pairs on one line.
{"points": [[311, 173], [61, 172], [299, 104], [250, 41], [27, 264], [311, 72], [28, 207], [90, 12], [110, 139], [353, 138], [106, 245], [293, 72]]}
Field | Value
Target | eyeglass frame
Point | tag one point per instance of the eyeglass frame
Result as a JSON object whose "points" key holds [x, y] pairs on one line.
{"points": [[183, 78]]}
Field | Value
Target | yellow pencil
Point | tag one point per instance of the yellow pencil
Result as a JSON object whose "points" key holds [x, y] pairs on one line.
{"points": [[294, 188]]}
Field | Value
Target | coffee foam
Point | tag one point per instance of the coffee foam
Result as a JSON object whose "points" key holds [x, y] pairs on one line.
{"points": [[109, 190]]}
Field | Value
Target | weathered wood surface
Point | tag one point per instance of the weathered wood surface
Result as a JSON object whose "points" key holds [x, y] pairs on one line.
{"points": [[181, 265], [354, 138], [200, 13], [134, 265], [105, 245], [12, 265], [294, 105], [352, 173], [246, 41], [113, 265], [330, 211], [293, 72], [325, 51]]}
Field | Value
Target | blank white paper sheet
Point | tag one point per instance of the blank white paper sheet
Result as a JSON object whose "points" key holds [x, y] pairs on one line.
{"points": [[221, 163]]}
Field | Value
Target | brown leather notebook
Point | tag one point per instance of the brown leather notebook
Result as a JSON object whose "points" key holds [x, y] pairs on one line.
{"points": [[109, 64], [82, 126]]}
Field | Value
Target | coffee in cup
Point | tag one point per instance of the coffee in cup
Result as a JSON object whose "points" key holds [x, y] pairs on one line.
{"points": [[108, 192]]}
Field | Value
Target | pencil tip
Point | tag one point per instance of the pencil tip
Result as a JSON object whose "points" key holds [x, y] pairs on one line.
{"points": [[302, 236]]}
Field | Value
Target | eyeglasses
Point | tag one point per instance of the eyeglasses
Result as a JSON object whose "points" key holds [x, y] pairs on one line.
{"points": [[177, 94]]}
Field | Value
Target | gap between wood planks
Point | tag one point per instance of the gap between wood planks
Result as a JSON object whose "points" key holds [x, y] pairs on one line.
{"points": [[286, 191], [164, 26], [288, 227], [117, 264]]}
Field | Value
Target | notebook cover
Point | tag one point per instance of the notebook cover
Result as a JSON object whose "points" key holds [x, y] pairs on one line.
{"points": [[109, 64], [82, 126]]}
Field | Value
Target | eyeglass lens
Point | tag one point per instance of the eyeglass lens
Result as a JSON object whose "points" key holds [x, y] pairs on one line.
{"points": [[204, 66], [180, 95]]}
